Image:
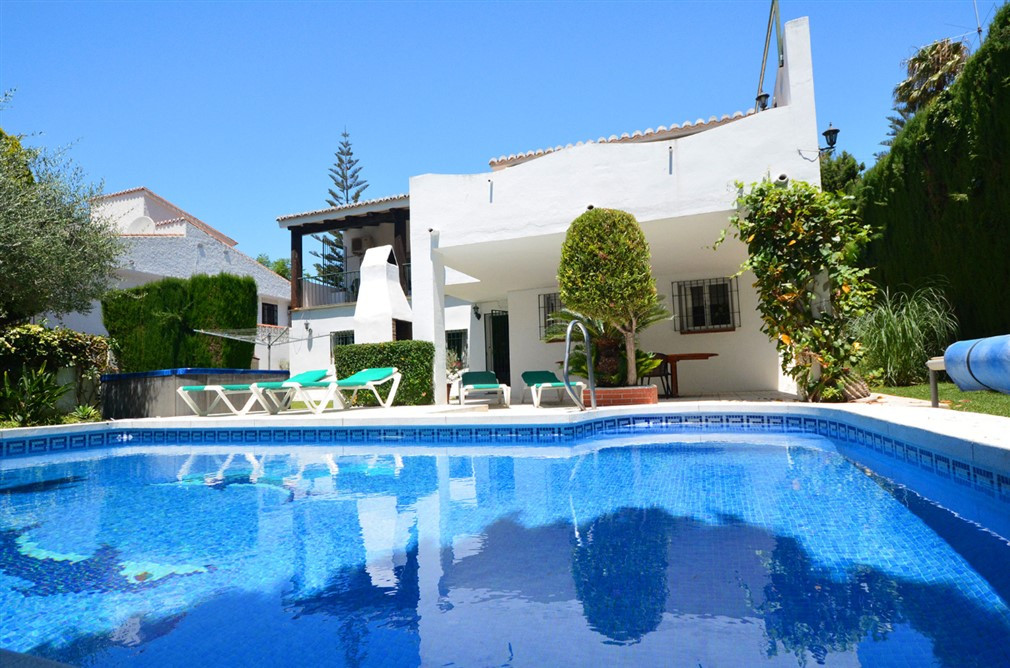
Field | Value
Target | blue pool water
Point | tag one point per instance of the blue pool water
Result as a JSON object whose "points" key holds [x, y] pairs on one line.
{"points": [[780, 552]]}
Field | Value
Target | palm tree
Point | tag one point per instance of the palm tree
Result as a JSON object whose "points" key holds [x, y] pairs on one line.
{"points": [[930, 71], [895, 124], [609, 366]]}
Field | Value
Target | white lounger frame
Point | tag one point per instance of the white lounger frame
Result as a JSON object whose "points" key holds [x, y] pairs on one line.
{"points": [[503, 391], [221, 397], [538, 390], [372, 386]]}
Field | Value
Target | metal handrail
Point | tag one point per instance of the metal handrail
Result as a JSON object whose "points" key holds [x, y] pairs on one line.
{"points": [[589, 365]]}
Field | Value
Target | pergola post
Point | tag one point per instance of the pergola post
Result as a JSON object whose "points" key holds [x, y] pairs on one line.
{"points": [[296, 268]]}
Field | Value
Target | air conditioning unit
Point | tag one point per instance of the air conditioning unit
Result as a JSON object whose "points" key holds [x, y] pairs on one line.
{"points": [[360, 244]]}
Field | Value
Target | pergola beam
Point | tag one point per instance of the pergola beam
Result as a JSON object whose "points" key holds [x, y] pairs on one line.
{"points": [[346, 223]]}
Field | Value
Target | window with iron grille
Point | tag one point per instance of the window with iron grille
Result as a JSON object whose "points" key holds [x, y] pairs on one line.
{"points": [[709, 305], [455, 340], [268, 314], [549, 303], [342, 338]]}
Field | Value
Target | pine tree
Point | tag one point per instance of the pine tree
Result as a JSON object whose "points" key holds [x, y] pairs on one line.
{"points": [[347, 189], [345, 175]]}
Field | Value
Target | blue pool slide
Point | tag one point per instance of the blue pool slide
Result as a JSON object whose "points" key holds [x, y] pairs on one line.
{"points": [[980, 364]]}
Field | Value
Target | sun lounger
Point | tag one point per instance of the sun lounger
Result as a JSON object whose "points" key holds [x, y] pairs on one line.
{"points": [[221, 394], [484, 382], [538, 381], [281, 394], [271, 403], [277, 396], [370, 379]]}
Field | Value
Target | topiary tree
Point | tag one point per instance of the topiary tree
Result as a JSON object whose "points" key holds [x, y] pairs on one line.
{"points": [[605, 274]]}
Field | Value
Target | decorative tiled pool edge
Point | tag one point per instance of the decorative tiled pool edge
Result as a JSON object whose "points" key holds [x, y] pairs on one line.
{"points": [[989, 481]]}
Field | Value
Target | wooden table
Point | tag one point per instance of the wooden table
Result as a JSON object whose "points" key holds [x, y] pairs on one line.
{"points": [[673, 358]]}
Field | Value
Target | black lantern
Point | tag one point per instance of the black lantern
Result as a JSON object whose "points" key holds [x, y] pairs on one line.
{"points": [[831, 136], [762, 101]]}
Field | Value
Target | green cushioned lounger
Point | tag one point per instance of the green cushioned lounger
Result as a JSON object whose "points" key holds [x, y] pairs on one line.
{"points": [[538, 381], [483, 382]]}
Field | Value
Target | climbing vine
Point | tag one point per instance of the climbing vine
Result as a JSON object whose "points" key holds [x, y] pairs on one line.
{"points": [[802, 246]]}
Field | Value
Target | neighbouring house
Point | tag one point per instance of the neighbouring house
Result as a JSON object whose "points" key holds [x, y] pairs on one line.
{"points": [[165, 241], [478, 253]]}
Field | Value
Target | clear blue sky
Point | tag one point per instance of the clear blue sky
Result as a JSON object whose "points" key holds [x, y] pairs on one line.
{"points": [[233, 110]]}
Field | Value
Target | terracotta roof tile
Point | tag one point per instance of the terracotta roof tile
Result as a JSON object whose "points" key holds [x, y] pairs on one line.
{"points": [[122, 192], [171, 221], [661, 133], [343, 207]]}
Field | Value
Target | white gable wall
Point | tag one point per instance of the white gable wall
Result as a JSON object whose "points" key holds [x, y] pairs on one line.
{"points": [[123, 209]]}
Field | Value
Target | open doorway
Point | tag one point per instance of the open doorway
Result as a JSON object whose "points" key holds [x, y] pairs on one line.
{"points": [[496, 332]]}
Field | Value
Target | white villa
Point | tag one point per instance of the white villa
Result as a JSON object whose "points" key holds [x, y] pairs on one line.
{"points": [[477, 254], [165, 241]]}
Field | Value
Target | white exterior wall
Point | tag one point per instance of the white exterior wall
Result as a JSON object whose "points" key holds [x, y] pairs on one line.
{"points": [[122, 210], [747, 359], [541, 197], [322, 321]]}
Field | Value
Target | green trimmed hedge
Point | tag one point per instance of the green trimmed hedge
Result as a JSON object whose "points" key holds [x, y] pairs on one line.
{"points": [[940, 201], [153, 324], [414, 359]]}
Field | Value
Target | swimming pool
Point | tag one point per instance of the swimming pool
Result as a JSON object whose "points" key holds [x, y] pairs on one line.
{"points": [[642, 547]]}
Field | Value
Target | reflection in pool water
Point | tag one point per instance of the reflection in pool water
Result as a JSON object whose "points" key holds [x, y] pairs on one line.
{"points": [[666, 555]]}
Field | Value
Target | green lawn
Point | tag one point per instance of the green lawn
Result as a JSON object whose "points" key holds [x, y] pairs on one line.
{"points": [[992, 403]]}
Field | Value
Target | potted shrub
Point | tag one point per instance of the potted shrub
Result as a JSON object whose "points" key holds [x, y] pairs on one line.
{"points": [[605, 279], [454, 369]]}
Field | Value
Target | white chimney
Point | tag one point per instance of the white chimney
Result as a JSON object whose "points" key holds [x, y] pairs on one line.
{"points": [[380, 297]]}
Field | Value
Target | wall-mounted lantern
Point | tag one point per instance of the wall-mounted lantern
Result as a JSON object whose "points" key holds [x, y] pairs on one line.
{"points": [[830, 136]]}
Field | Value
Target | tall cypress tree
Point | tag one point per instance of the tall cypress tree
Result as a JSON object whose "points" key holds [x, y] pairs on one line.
{"points": [[347, 188]]}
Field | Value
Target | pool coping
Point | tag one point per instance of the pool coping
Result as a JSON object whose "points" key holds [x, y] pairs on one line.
{"points": [[977, 439]]}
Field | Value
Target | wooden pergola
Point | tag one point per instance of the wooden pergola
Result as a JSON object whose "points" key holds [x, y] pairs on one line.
{"points": [[372, 213]]}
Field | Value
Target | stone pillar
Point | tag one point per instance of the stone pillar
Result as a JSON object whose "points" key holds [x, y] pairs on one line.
{"points": [[428, 295]]}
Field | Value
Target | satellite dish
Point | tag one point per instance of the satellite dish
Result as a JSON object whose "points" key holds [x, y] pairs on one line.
{"points": [[142, 225]]}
